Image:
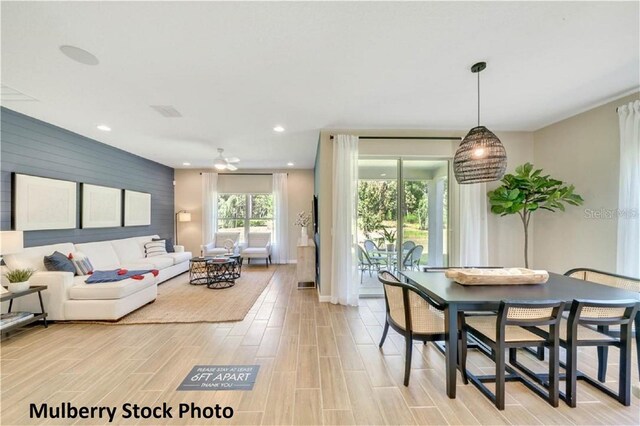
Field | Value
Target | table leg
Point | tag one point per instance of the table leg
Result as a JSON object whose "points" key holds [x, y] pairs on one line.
{"points": [[451, 348], [42, 309]]}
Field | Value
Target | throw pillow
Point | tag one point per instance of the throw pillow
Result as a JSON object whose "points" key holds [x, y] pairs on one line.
{"points": [[82, 263], [59, 262], [155, 248], [168, 244]]}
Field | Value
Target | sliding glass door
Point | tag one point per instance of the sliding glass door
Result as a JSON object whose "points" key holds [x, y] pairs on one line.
{"points": [[424, 204], [402, 217]]}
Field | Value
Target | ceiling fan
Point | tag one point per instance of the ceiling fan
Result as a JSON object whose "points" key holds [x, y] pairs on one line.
{"points": [[222, 163]]}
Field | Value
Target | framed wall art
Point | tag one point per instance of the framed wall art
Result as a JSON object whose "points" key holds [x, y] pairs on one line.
{"points": [[44, 203], [101, 206], [137, 208]]}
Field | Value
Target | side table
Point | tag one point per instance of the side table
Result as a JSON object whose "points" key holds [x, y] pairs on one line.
{"points": [[199, 270], [36, 316], [222, 274]]}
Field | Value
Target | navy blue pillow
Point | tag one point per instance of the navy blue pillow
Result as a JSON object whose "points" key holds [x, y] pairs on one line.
{"points": [[59, 262], [168, 243]]}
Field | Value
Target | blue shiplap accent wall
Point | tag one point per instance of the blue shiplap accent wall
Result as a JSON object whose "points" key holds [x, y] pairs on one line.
{"points": [[33, 147]]}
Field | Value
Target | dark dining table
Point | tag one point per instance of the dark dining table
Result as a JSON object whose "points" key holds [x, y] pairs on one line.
{"points": [[453, 298]]}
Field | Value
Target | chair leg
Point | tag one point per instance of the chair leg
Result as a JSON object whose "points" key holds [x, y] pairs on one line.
{"points": [[603, 356], [384, 333], [571, 377], [637, 324], [407, 362], [500, 380], [624, 379], [554, 370], [540, 353], [462, 356], [361, 274]]}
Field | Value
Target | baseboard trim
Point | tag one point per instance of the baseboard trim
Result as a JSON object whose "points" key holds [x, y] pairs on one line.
{"points": [[324, 299], [293, 261]]}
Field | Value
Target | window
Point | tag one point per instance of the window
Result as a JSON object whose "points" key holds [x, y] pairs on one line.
{"points": [[245, 213]]}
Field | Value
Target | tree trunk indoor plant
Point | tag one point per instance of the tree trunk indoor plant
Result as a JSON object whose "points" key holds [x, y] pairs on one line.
{"points": [[527, 191]]}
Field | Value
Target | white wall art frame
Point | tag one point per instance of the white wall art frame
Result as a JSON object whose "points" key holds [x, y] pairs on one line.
{"points": [[43, 203], [137, 208], [101, 206]]}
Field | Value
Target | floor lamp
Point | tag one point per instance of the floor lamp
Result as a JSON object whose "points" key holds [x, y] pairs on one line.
{"points": [[182, 216]]}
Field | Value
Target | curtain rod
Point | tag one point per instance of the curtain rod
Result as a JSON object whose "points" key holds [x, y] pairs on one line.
{"points": [[435, 138], [246, 174]]}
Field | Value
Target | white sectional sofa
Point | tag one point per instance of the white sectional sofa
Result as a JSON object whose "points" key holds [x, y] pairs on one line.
{"points": [[68, 297]]}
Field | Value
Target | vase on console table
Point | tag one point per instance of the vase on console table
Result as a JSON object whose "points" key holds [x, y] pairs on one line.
{"points": [[304, 237]]}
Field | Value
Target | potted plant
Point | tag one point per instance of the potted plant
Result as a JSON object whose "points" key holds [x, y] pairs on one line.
{"points": [[19, 279], [389, 238], [527, 191], [302, 220]]}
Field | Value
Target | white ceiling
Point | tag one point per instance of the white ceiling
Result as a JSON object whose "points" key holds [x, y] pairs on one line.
{"points": [[235, 70]]}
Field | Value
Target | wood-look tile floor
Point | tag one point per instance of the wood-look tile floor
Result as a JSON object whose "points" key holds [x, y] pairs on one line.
{"points": [[320, 364]]}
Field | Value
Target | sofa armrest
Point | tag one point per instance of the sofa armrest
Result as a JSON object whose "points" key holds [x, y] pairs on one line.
{"points": [[54, 297], [178, 249]]}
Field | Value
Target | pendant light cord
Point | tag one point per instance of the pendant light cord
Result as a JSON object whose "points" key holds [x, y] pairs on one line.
{"points": [[478, 98]]}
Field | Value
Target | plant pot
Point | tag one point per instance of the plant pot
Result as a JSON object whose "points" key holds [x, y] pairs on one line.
{"points": [[18, 287], [391, 247]]}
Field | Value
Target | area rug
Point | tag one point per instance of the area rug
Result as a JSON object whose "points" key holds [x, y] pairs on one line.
{"points": [[180, 302]]}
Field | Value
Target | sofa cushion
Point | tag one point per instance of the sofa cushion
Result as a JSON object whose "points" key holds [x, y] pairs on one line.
{"points": [[222, 237], [127, 249], [138, 265], [213, 251], [82, 263], [59, 262], [179, 257], [33, 257], [155, 248], [168, 242], [144, 240], [101, 253], [159, 262], [256, 251], [115, 290]]}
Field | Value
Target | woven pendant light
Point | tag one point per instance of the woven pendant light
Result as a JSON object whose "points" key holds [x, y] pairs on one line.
{"points": [[481, 157]]}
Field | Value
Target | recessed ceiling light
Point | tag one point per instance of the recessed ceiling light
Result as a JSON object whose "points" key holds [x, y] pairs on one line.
{"points": [[289, 164], [279, 129], [186, 164], [383, 174], [79, 55], [104, 127]]}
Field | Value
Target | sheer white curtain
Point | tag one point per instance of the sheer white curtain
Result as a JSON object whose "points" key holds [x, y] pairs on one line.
{"points": [[344, 275], [280, 249], [209, 206], [628, 255], [474, 243]]}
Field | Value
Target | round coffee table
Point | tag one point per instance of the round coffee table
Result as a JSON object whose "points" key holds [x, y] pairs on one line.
{"points": [[198, 270], [221, 274]]}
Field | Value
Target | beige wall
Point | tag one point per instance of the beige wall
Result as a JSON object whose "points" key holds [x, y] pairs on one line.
{"points": [[582, 150], [188, 196], [505, 233]]}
